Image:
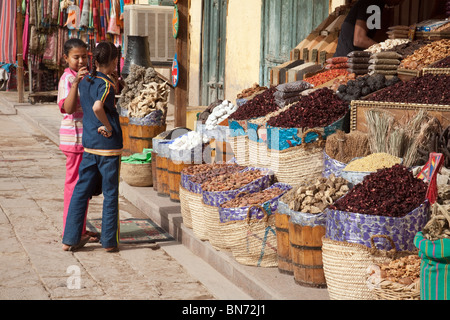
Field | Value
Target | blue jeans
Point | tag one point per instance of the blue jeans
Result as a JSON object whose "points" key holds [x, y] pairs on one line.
{"points": [[108, 167]]}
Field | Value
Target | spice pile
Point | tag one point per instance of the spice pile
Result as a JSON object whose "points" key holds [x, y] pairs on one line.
{"points": [[392, 192], [428, 89], [373, 162], [427, 55], [326, 76], [261, 105], [233, 181], [253, 198], [314, 198], [344, 147], [318, 109]]}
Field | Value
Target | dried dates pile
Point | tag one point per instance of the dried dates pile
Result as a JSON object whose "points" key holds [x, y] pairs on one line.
{"points": [[250, 199], [233, 181]]}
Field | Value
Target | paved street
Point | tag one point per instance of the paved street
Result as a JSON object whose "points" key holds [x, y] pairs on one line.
{"points": [[32, 263]]}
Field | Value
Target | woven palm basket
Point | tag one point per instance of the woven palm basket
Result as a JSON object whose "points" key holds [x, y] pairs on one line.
{"points": [[297, 164], [258, 154], [253, 242], [185, 210], [239, 145], [345, 267], [197, 215], [213, 227]]}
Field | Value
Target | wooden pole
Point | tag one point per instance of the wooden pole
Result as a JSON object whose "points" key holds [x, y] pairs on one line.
{"points": [[181, 90], [19, 35]]}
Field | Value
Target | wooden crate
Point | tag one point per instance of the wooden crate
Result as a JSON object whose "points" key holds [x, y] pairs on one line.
{"points": [[398, 110]]}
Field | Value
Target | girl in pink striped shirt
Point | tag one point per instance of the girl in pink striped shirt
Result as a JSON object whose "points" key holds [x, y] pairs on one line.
{"points": [[71, 131]]}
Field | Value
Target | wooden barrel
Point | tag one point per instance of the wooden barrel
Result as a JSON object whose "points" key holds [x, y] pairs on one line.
{"points": [[162, 177], [155, 180], [141, 136], [174, 170], [224, 152], [283, 249], [126, 139], [306, 252]]}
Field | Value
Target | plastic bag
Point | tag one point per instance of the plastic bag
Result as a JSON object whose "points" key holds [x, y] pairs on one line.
{"points": [[359, 54], [297, 86]]}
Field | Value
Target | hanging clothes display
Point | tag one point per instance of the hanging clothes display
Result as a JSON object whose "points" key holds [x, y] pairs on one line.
{"points": [[48, 24], [8, 45]]}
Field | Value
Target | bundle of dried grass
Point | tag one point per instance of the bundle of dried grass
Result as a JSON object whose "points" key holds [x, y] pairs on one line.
{"points": [[411, 139], [344, 147]]}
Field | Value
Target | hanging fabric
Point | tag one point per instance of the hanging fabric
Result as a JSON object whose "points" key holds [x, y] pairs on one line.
{"points": [[26, 33], [113, 26], [84, 21], [73, 18], [8, 45]]}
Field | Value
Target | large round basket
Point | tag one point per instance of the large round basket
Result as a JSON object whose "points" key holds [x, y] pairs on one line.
{"points": [[137, 174]]}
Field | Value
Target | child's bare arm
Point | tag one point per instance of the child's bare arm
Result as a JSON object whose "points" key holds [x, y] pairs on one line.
{"points": [[71, 102], [106, 129]]}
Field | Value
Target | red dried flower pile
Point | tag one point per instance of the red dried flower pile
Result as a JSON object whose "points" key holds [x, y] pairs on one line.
{"points": [[318, 109], [391, 192], [428, 89], [260, 106]]}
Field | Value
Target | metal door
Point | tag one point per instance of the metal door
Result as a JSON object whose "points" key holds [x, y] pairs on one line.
{"points": [[213, 50], [285, 23]]}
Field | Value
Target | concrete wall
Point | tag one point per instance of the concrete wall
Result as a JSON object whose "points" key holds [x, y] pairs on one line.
{"points": [[243, 46]]}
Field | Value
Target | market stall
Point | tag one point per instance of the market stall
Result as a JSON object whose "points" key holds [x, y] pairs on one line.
{"points": [[375, 190]]}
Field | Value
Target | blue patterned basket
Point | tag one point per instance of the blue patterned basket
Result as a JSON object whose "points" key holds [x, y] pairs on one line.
{"points": [[240, 213], [237, 128], [359, 228], [216, 198], [332, 166], [284, 138]]}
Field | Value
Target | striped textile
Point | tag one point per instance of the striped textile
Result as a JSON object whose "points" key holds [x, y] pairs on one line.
{"points": [[8, 44], [434, 268], [71, 130]]}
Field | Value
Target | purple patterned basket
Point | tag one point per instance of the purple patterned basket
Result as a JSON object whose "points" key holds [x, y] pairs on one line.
{"points": [[358, 228], [240, 213], [215, 198], [332, 166]]}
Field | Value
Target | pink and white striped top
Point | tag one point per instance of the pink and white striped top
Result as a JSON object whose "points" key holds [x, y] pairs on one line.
{"points": [[71, 130]]}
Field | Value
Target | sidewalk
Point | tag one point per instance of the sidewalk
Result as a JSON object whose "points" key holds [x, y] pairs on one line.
{"points": [[258, 283]]}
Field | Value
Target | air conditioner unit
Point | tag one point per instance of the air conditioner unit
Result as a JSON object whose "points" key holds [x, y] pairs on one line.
{"points": [[156, 23]]}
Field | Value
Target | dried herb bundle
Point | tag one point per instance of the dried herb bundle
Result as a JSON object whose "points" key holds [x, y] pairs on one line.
{"points": [[404, 138], [344, 147]]}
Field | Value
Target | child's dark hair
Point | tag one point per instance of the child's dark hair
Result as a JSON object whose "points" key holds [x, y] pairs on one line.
{"points": [[73, 43], [103, 53]]}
